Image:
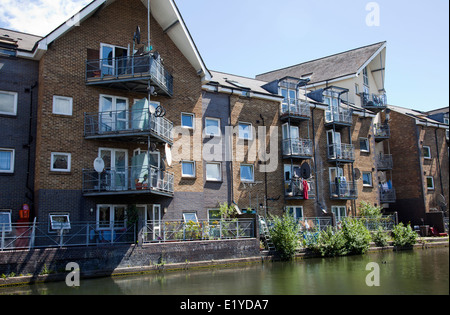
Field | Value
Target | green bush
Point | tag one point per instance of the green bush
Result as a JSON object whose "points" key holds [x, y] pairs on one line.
{"points": [[380, 237], [369, 211], [329, 243], [284, 235], [404, 236], [356, 235]]}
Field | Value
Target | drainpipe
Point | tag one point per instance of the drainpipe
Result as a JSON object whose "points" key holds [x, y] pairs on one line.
{"points": [[315, 153], [28, 146], [439, 160]]}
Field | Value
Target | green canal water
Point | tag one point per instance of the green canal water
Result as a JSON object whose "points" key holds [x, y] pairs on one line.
{"points": [[419, 271]]}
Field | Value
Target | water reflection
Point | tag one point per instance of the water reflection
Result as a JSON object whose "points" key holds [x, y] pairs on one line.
{"points": [[409, 272]]}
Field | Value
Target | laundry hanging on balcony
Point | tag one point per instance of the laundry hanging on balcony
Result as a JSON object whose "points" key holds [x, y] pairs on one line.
{"points": [[305, 190]]}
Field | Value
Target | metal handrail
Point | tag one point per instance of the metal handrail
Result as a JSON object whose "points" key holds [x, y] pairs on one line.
{"points": [[344, 190], [295, 107], [384, 162], [298, 147], [294, 188], [341, 152], [340, 115]]}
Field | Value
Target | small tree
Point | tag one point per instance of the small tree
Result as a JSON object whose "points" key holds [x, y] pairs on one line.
{"points": [[404, 236], [284, 235], [369, 211], [356, 235]]}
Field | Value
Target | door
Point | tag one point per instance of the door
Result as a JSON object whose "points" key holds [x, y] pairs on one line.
{"points": [[334, 144], [114, 60], [113, 113], [153, 222], [338, 187], [116, 166]]}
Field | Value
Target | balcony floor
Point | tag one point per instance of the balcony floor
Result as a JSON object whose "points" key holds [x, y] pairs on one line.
{"points": [[128, 193]]}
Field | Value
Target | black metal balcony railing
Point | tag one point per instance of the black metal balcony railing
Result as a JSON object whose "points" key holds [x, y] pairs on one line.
{"points": [[130, 69], [294, 108], [295, 189], [373, 101], [129, 180], [343, 190], [301, 148], [341, 152], [127, 123], [387, 195], [381, 131], [339, 116], [384, 162]]}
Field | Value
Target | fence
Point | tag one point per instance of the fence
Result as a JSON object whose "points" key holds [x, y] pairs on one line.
{"points": [[169, 231], [67, 234], [387, 222]]}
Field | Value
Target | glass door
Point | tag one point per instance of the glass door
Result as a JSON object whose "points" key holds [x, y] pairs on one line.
{"points": [[116, 166], [113, 113], [153, 219]]}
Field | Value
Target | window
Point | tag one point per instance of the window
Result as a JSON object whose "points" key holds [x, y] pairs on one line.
{"points": [[111, 216], [356, 88], [188, 169], [62, 105], [426, 152], [60, 162], [5, 221], [365, 77], [295, 211], [430, 183], [190, 216], [212, 126], [8, 103], [245, 131], [59, 221], [367, 179], [446, 120], [7, 160], [213, 171], [364, 145], [339, 211], [187, 120], [247, 173]]}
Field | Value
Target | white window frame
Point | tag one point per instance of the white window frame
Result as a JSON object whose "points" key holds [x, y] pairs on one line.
{"points": [[218, 127], [58, 225], [188, 175], [112, 220], [63, 98], [69, 162], [432, 182], [294, 212], [368, 145], [371, 180], [9, 223], [337, 212], [250, 133], [191, 213], [11, 168], [193, 120], [253, 173], [428, 149], [16, 96], [220, 172]]}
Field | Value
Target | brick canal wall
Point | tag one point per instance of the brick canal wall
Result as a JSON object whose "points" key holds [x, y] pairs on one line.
{"points": [[93, 260]]}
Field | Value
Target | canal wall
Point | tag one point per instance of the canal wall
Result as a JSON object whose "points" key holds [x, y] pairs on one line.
{"points": [[105, 260]]}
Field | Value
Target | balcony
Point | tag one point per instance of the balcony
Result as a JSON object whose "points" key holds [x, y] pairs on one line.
{"points": [[295, 109], [374, 102], [298, 148], [387, 195], [341, 153], [131, 73], [128, 181], [340, 117], [294, 189], [381, 132], [384, 162], [127, 125], [343, 191]]}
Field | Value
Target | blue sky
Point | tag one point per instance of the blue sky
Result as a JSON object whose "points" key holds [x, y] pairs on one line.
{"points": [[249, 37]]}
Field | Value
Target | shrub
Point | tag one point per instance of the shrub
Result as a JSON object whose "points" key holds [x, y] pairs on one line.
{"points": [[356, 235], [369, 211], [380, 237], [404, 236], [284, 235], [330, 242]]}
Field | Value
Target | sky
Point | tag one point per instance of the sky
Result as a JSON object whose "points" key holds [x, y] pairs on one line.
{"points": [[250, 37]]}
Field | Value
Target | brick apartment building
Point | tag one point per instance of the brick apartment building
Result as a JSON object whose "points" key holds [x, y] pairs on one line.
{"points": [[124, 123], [18, 112]]}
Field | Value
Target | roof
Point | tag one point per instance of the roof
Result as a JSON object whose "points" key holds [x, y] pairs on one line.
{"points": [[328, 68], [24, 41], [438, 111], [165, 12], [415, 114]]}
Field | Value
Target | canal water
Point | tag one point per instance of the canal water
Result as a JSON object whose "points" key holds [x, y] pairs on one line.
{"points": [[419, 271]]}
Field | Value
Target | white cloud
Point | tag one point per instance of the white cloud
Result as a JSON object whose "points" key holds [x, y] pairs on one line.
{"points": [[38, 17]]}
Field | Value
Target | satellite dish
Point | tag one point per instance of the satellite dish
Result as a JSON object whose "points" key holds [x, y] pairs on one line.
{"points": [[168, 154], [305, 171], [152, 109], [382, 177], [137, 35], [99, 165], [357, 174], [442, 202]]}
